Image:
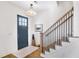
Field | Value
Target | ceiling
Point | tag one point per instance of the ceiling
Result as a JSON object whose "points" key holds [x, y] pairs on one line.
{"points": [[37, 6]]}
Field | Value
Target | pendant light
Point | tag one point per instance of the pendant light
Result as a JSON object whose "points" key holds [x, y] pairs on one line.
{"points": [[31, 11]]}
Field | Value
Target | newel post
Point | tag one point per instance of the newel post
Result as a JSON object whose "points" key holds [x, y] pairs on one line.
{"points": [[41, 42]]}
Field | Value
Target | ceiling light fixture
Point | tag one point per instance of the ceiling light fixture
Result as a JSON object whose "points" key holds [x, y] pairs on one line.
{"points": [[31, 11]]}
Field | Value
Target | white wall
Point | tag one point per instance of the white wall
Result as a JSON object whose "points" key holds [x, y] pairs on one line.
{"points": [[8, 27], [76, 19]]}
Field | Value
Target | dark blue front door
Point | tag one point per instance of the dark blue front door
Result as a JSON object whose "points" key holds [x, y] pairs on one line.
{"points": [[22, 31]]}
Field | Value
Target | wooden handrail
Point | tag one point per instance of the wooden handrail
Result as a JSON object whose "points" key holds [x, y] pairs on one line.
{"points": [[59, 19], [60, 24]]}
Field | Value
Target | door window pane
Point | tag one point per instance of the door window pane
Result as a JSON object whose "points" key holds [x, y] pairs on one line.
{"points": [[25, 24], [20, 23], [23, 20], [20, 19]]}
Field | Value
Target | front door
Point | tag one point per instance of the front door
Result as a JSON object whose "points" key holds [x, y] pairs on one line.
{"points": [[22, 31]]}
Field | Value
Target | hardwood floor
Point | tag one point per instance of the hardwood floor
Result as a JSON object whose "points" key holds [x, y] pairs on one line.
{"points": [[35, 54], [9, 56]]}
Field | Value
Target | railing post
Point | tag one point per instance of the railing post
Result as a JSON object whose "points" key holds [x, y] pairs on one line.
{"points": [[72, 23]]}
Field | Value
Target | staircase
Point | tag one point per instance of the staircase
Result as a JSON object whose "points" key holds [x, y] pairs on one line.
{"points": [[55, 41], [68, 50]]}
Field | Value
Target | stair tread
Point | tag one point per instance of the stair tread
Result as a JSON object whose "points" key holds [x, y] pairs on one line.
{"points": [[57, 47], [46, 52]]}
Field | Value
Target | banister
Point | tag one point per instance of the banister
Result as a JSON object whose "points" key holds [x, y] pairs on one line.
{"points": [[60, 24], [57, 29], [59, 19]]}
